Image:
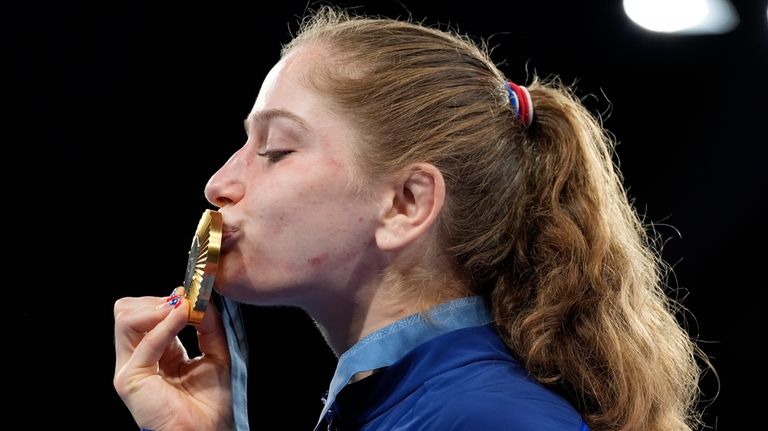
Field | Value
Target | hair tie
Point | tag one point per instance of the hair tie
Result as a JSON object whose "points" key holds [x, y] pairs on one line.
{"points": [[521, 102]]}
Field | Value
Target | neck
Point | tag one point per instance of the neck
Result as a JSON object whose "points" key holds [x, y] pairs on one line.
{"points": [[367, 304], [346, 319], [346, 322]]}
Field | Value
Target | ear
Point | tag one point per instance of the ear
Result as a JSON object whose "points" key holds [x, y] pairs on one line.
{"points": [[416, 201]]}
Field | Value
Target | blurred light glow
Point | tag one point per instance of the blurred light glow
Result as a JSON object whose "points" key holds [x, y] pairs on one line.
{"points": [[683, 16]]}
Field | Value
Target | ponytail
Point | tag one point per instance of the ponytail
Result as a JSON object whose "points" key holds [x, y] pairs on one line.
{"points": [[582, 302]]}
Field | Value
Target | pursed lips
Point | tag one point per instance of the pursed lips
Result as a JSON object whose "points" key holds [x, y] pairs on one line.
{"points": [[228, 237]]}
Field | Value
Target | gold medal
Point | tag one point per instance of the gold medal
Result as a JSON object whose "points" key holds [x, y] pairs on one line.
{"points": [[202, 264]]}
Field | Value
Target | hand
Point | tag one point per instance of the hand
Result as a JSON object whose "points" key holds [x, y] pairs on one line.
{"points": [[162, 387]]}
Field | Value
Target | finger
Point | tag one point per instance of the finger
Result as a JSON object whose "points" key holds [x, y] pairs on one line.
{"points": [[174, 355], [131, 313], [211, 337], [151, 348], [134, 317]]}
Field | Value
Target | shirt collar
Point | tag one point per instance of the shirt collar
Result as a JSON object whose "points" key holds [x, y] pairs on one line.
{"points": [[387, 345]]}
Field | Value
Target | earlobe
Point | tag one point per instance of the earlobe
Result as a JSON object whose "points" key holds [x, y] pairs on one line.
{"points": [[418, 198]]}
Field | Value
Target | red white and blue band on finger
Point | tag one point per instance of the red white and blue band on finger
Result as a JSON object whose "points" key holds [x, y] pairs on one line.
{"points": [[521, 102]]}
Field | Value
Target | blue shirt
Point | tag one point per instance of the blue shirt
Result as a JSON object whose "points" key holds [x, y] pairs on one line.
{"points": [[445, 370]]}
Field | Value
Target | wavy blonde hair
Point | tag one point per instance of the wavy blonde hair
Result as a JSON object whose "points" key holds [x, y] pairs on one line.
{"points": [[536, 218]]}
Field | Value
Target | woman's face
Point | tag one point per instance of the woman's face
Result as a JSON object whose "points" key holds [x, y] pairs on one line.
{"points": [[295, 230]]}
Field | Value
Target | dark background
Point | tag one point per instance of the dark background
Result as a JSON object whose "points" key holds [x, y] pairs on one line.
{"points": [[121, 110]]}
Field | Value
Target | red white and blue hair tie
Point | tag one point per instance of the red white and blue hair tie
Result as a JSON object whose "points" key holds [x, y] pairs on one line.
{"points": [[521, 102]]}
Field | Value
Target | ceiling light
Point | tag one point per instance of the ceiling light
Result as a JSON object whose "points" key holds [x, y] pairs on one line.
{"points": [[683, 16]]}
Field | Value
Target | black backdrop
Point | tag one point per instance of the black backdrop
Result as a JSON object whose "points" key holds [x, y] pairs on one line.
{"points": [[121, 110]]}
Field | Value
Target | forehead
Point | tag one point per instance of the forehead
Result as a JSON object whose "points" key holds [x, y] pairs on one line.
{"points": [[286, 89], [286, 85]]}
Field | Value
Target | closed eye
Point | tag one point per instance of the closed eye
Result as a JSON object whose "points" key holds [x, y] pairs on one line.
{"points": [[274, 156]]}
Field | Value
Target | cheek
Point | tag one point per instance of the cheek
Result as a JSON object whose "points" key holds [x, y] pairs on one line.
{"points": [[311, 212], [336, 257], [340, 243]]}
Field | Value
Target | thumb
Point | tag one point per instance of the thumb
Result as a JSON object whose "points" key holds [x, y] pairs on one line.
{"points": [[211, 337], [154, 344]]}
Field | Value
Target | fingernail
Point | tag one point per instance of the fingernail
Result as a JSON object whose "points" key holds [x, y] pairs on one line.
{"points": [[173, 300]]}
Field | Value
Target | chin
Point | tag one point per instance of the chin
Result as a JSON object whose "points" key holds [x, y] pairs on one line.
{"points": [[232, 289], [246, 292]]}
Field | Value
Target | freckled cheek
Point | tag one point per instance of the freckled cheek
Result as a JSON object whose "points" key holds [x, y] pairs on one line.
{"points": [[318, 260], [335, 261], [348, 256], [278, 226], [342, 243], [275, 216]]}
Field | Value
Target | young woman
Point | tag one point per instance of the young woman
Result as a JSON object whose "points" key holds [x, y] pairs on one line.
{"points": [[464, 244]]}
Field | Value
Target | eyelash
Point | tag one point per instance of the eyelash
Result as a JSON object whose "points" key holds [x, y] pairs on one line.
{"points": [[274, 156]]}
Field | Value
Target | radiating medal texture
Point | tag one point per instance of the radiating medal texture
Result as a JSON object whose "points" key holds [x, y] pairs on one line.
{"points": [[202, 264]]}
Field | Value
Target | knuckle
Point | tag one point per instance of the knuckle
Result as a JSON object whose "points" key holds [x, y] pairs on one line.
{"points": [[118, 381], [121, 318], [124, 384], [122, 304]]}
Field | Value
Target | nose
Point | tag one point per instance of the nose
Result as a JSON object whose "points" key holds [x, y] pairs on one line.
{"points": [[226, 186]]}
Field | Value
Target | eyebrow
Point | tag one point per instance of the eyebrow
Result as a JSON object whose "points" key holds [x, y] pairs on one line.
{"points": [[270, 114]]}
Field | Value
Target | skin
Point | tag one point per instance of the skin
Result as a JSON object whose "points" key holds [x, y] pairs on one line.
{"points": [[162, 387], [300, 233], [297, 232]]}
